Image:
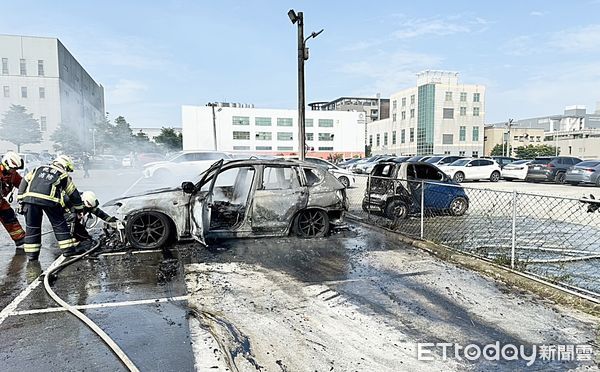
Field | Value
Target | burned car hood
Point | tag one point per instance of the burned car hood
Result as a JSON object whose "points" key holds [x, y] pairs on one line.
{"points": [[142, 195]]}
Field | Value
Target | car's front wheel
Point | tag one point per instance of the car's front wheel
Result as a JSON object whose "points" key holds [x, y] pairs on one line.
{"points": [[312, 223], [560, 178], [495, 177], [459, 177], [345, 181], [459, 206], [148, 230], [396, 209]]}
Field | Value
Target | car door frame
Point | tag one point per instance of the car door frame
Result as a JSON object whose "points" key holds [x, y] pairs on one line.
{"points": [[200, 206]]}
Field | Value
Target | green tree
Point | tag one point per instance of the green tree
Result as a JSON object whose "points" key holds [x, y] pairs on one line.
{"points": [[66, 140], [103, 136], [170, 139], [122, 136], [19, 127], [531, 151], [498, 150]]}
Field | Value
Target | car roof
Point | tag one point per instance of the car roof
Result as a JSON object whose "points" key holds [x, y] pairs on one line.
{"points": [[279, 162]]}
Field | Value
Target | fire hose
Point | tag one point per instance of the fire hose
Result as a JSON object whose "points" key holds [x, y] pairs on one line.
{"points": [[51, 275]]}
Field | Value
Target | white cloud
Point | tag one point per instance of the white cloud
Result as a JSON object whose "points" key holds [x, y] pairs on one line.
{"points": [[125, 92], [583, 39], [412, 28], [537, 13]]}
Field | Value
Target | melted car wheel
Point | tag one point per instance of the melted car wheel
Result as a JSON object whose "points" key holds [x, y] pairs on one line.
{"points": [[396, 209], [148, 230], [459, 206], [312, 223]]}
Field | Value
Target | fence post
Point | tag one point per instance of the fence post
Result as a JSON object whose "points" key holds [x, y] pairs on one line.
{"points": [[422, 208], [514, 229], [368, 197]]}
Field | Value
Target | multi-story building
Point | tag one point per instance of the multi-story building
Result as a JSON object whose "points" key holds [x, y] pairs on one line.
{"points": [[573, 118], [271, 131], [40, 74], [517, 137], [437, 116], [374, 108]]}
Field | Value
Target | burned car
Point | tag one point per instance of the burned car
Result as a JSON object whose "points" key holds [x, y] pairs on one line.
{"points": [[236, 199], [395, 191]]}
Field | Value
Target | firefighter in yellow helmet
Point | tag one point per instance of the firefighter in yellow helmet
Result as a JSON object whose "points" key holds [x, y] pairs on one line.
{"points": [[41, 192]]}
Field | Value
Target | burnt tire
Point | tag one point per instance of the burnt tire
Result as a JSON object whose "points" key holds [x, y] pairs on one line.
{"points": [[459, 177], [311, 223], [495, 176], [396, 209], [344, 181], [148, 230], [459, 206]]}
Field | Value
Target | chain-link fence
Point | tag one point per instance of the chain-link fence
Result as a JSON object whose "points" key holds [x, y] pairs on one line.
{"points": [[555, 238]]}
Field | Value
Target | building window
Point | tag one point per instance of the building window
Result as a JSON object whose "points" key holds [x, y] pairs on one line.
{"points": [[475, 111], [308, 122], [446, 152], [23, 92], [463, 111], [475, 154], [42, 92], [326, 123], [40, 67], [412, 113], [310, 136], [284, 122], [403, 115], [475, 134], [462, 134], [447, 139], [285, 148], [378, 140], [463, 96], [448, 113], [241, 147], [393, 137], [475, 97], [412, 134], [412, 99], [4, 66], [326, 148], [325, 137], [43, 124], [6, 90], [240, 120], [393, 117], [285, 136], [403, 136], [448, 96], [263, 148], [241, 135], [404, 102], [23, 67], [264, 136], [394, 104], [385, 139], [371, 140], [262, 122], [461, 153]]}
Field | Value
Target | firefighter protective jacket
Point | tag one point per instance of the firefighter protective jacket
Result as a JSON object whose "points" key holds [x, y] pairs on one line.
{"points": [[45, 186], [9, 179]]}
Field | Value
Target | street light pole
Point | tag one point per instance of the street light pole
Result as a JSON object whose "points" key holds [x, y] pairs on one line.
{"points": [[214, 122]]}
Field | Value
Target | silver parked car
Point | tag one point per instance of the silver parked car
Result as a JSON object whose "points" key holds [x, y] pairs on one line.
{"points": [[236, 199], [587, 171]]}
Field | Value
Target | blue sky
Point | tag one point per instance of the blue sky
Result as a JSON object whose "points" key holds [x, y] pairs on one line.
{"points": [[535, 57]]}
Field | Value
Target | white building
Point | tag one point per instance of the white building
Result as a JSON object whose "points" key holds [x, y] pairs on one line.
{"points": [[272, 131], [438, 116], [40, 74]]}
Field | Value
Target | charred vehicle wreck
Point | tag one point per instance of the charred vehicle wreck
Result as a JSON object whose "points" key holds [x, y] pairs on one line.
{"points": [[236, 199]]}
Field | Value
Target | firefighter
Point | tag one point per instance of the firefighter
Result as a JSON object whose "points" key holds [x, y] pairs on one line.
{"points": [[9, 180], [41, 191], [90, 206]]}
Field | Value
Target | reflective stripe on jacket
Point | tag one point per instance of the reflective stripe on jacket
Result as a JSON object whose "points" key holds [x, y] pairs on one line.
{"points": [[45, 185]]}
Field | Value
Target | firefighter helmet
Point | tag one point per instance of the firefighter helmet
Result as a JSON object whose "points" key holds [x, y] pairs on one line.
{"points": [[65, 162], [12, 160], [89, 199]]}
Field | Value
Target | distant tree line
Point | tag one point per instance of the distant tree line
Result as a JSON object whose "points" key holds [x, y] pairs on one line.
{"points": [[526, 152]]}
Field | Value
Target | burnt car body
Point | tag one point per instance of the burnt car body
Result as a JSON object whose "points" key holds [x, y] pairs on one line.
{"points": [[236, 199], [395, 191]]}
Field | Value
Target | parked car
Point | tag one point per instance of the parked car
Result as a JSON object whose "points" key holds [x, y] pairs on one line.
{"points": [[550, 168], [587, 171], [104, 162], [501, 160], [30, 162], [473, 169], [361, 166], [236, 199], [440, 160], [393, 193], [344, 176], [420, 158], [517, 170], [346, 163], [181, 164]]}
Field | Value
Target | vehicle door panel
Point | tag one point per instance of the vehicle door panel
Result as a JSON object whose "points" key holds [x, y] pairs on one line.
{"points": [[437, 194], [200, 212]]}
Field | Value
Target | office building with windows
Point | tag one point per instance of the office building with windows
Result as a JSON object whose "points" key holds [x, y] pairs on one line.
{"points": [[271, 131], [437, 116], [40, 74]]}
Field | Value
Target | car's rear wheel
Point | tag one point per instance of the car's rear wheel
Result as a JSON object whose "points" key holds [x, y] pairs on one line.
{"points": [[148, 230], [312, 223], [396, 209], [459, 177], [495, 177], [459, 206], [345, 181], [560, 178]]}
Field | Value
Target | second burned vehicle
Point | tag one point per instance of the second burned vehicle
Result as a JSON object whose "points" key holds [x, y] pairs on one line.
{"points": [[396, 189], [236, 199]]}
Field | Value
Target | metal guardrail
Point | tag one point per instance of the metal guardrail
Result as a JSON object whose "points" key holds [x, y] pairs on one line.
{"points": [[555, 238]]}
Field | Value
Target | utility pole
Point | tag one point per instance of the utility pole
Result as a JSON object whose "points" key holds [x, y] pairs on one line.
{"points": [[508, 149], [298, 19], [214, 121]]}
